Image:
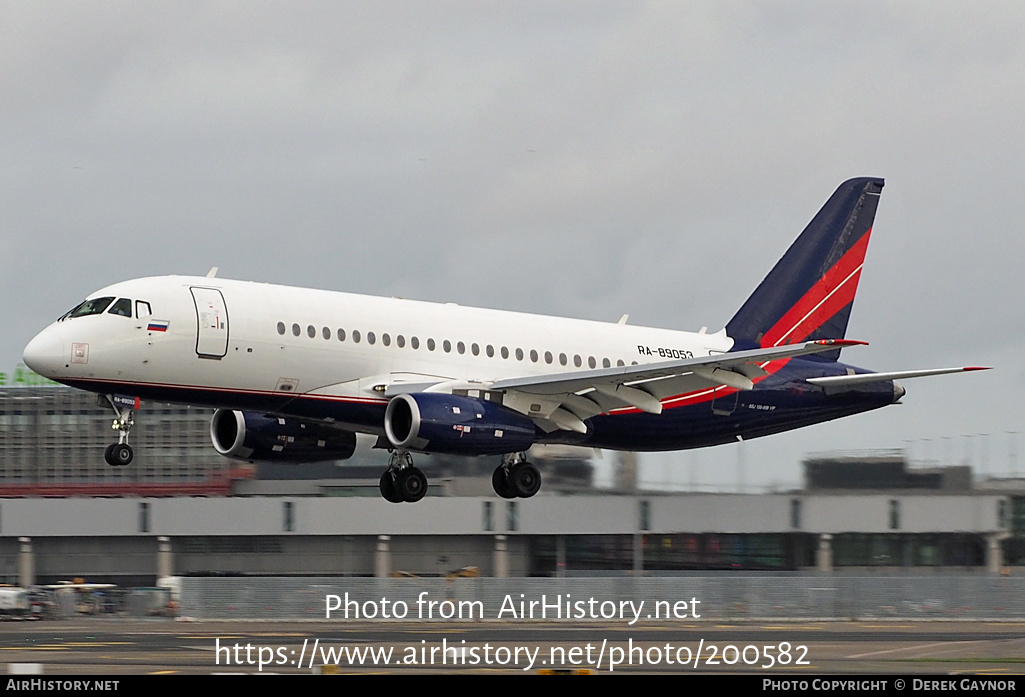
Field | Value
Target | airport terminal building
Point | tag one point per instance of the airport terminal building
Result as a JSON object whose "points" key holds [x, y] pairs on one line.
{"points": [[181, 509]]}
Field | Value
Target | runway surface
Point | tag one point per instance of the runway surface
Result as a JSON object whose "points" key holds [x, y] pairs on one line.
{"points": [[111, 646]]}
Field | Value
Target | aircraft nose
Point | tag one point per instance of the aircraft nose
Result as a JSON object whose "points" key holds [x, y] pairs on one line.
{"points": [[45, 353]]}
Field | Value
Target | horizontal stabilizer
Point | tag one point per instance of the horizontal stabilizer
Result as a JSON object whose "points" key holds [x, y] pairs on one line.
{"points": [[862, 378]]}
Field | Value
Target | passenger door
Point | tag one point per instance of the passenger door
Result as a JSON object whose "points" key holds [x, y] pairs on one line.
{"points": [[212, 319]]}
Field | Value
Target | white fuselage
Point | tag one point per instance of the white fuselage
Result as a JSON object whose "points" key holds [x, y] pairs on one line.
{"points": [[282, 341]]}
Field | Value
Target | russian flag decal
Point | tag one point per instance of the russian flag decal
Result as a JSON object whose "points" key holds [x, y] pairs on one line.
{"points": [[158, 325]]}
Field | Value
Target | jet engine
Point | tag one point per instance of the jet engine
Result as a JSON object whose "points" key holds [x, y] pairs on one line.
{"points": [[247, 435], [446, 423]]}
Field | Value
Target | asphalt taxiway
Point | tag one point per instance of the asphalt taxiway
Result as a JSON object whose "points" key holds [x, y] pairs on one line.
{"points": [[115, 646]]}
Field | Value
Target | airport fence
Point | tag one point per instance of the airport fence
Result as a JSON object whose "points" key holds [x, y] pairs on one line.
{"points": [[945, 596]]}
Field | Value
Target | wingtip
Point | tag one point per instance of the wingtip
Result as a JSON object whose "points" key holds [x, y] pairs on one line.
{"points": [[977, 367]]}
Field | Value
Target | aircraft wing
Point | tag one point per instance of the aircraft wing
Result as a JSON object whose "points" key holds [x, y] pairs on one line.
{"points": [[735, 369], [565, 400]]}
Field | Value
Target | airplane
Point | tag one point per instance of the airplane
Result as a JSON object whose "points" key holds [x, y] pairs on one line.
{"points": [[294, 374]]}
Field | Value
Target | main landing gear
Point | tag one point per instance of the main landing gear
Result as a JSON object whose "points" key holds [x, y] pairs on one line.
{"points": [[516, 478], [120, 454], [402, 481]]}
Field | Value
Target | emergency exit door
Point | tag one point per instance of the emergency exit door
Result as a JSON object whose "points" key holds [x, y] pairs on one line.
{"points": [[212, 318]]}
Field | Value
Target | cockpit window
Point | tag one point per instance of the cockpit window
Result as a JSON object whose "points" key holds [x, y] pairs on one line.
{"points": [[91, 307], [142, 310], [122, 307]]}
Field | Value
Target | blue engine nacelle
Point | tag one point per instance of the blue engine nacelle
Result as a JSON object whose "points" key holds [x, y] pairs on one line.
{"points": [[247, 435], [446, 423]]}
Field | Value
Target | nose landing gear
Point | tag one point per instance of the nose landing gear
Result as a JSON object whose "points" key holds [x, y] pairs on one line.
{"points": [[120, 454]]}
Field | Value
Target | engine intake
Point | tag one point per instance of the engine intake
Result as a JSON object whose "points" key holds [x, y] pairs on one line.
{"points": [[250, 436], [452, 424]]}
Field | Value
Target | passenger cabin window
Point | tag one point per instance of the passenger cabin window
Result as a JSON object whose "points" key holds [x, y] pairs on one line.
{"points": [[91, 307], [122, 307]]}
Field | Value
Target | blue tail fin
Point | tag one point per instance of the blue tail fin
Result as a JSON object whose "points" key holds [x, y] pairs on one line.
{"points": [[809, 293]]}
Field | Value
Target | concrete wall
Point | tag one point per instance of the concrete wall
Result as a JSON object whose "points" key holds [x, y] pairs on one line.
{"points": [[592, 515]]}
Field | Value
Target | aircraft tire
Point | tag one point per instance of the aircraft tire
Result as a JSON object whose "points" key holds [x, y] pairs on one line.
{"points": [[500, 482], [411, 485], [118, 454], [524, 479], [388, 491]]}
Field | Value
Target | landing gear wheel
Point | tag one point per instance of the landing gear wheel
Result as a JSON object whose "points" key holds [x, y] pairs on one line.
{"points": [[402, 481], [388, 488], [500, 482], [118, 454], [524, 479], [411, 485]]}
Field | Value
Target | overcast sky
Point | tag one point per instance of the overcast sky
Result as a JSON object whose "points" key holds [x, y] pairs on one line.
{"points": [[586, 159]]}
